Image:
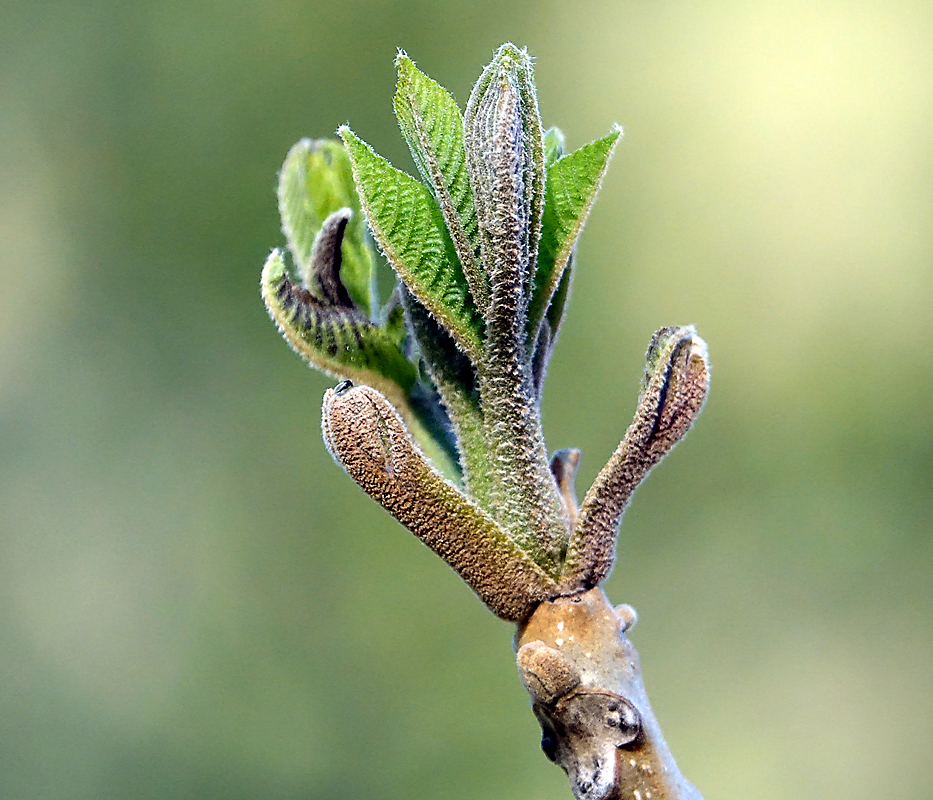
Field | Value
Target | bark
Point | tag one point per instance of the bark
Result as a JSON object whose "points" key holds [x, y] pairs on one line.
{"points": [[586, 690]]}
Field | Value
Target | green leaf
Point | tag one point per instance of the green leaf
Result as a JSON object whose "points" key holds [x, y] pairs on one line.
{"points": [[572, 183], [316, 180], [432, 125], [555, 311], [549, 329], [409, 228], [555, 144], [393, 316], [338, 340]]}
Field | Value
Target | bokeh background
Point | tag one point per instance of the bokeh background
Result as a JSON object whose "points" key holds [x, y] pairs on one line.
{"points": [[196, 603]]}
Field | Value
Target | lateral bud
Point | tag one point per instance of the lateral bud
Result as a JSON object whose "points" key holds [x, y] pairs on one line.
{"points": [[546, 672], [564, 464]]}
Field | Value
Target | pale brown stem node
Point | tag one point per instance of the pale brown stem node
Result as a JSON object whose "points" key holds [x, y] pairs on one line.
{"points": [[586, 690]]}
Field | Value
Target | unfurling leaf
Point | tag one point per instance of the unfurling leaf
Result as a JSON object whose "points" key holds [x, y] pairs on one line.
{"points": [[368, 439], [409, 228], [572, 183], [337, 339], [555, 310], [554, 145], [673, 392], [549, 329], [505, 159], [323, 276], [454, 377], [393, 319], [316, 180]]}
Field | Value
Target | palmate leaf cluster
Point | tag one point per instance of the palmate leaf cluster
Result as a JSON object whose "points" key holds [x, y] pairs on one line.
{"points": [[482, 246]]}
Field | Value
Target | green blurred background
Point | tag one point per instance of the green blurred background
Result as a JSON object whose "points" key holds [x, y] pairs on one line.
{"points": [[196, 603]]}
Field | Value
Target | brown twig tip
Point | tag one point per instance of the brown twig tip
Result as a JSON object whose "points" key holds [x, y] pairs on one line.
{"points": [[368, 439], [455, 363], [673, 391]]}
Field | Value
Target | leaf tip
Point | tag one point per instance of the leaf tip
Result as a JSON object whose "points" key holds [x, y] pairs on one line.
{"points": [[274, 268], [613, 137], [403, 62], [511, 51]]}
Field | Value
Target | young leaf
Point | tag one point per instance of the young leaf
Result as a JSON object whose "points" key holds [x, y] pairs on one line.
{"points": [[505, 158], [549, 329], [393, 319], [455, 378], [366, 437], [430, 428], [572, 184], [322, 277], [539, 359], [338, 340], [555, 310], [555, 144], [673, 392], [316, 180], [410, 230], [433, 127]]}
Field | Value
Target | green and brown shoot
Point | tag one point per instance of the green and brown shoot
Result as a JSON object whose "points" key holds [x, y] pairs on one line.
{"points": [[438, 414]]}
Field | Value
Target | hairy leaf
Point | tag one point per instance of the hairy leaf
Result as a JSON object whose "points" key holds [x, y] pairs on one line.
{"points": [[366, 437], [673, 392], [338, 340], [549, 329], [554, 145], [316, 180], [409, 227], [433, 127], [323, 277], [455, 378], [572, 183], [393, 319], [505, 158], [555, 310]]}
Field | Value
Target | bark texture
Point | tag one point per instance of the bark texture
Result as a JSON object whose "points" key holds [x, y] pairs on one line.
{"points": [[586, 690]]}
